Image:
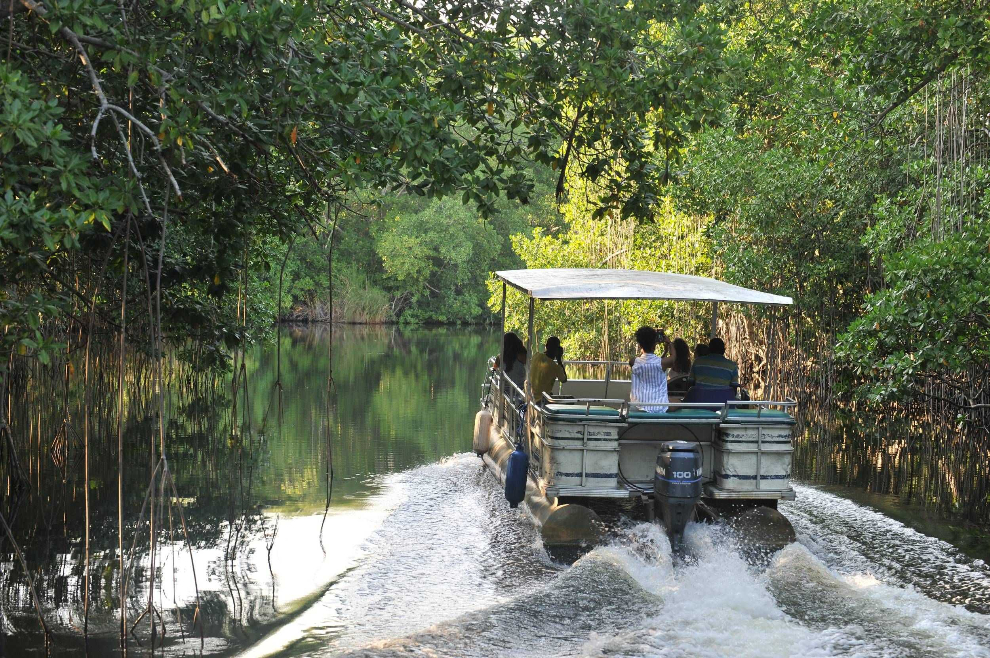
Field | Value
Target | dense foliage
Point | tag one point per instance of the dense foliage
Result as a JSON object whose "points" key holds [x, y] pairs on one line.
{"points": [[173, 141], [216, 153], [850, 173]]}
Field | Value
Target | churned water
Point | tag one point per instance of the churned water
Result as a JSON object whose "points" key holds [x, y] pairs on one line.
{"points": [[420, 555], [452, 571]]}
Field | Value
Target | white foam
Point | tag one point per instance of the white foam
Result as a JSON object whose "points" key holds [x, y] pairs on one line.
{"points": [[454, 572]]}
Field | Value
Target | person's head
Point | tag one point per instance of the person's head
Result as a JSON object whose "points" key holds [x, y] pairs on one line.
{"points": [[510, 347], [682, 355], [701, 349], [716, 346], [646, 338], [522, 353], [554, 350]]}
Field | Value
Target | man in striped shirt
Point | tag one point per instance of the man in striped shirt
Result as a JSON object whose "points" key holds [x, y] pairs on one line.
{"points": [[714, 370], [649, 382]]}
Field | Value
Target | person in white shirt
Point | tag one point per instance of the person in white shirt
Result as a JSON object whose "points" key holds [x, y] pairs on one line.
{"points": [[649, 382]]}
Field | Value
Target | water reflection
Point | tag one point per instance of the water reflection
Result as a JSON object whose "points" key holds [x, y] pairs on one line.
{"points": [[249, 460], [418, 550], [931, 475]]}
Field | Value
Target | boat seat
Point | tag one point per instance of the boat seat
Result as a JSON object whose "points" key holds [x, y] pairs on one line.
{"points": [[579, 412], [749, 416], [676, 415]]}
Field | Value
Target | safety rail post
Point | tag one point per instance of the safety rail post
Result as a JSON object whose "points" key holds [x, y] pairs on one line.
{"points": [[584, 455], [759, 454]]}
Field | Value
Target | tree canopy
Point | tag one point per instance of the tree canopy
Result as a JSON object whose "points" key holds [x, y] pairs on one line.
{"points": [[178, 136]]}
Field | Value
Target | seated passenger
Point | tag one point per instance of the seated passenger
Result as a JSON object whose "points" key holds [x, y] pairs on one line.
{"points": [[679, 365], [679, 360], [547, 368], [649, 383], [714, 370], [516, 370], [700, 350]]}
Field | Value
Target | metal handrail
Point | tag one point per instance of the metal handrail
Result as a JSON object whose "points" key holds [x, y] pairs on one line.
{"points": [[624, 406], [760, 405]]}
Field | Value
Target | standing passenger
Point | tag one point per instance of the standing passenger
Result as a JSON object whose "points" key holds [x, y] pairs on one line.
{"points": [[649, 383], [679, 367], [510, 344]]}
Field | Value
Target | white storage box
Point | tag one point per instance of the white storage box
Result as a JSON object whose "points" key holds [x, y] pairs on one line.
{"points": [[753, 457], [581, 447]]}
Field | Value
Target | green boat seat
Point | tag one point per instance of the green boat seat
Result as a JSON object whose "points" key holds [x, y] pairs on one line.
{"points": [[750, 416], [677, 414], [581, 412]]}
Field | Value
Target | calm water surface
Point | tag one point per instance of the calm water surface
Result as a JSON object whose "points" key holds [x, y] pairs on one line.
{"points": [[420, 555]]}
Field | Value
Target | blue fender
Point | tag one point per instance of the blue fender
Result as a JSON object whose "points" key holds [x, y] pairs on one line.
{"points": [[515, 476]]}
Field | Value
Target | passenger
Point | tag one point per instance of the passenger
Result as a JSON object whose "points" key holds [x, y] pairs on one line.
{"points": [[517, 368], [547, 368], [700, 350], [679, 366], [678, 363], [510, 344], [714, 370], [649, 383]]}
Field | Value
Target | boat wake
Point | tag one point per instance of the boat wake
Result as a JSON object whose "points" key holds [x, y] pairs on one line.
{"points": [[453, 572]]}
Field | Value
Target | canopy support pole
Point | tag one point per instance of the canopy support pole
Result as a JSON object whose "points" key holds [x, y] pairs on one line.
{"points": [[502, 350], [526, 388], [502, 367], [714, 320], [531, 334]]}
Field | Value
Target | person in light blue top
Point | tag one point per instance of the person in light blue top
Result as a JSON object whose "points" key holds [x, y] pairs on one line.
{"points": [[649, 382]]}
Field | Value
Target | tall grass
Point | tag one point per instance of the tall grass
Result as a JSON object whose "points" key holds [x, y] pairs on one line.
{"points": [[354, 302]]}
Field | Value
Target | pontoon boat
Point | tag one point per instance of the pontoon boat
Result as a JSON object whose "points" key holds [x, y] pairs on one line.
{"points": [[587, 441]]}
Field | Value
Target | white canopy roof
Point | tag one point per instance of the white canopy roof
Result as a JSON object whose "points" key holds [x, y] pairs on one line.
{"points": [[574, 283]]}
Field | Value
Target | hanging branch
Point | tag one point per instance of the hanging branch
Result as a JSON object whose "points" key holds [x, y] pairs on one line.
{"points": [[105, 106], [167, 474], [278, 328], [87, 402], [120, 441], [569, 140], [331, 387]]}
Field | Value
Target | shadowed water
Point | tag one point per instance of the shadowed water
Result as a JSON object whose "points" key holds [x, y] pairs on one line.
{"points": [[419, 553]]}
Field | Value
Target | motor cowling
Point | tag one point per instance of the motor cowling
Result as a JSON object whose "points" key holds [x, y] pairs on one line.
{"points": [[515, 476], [677, 485]]}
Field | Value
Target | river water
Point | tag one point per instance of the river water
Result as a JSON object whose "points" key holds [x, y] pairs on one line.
{"points": [[418, 553]]}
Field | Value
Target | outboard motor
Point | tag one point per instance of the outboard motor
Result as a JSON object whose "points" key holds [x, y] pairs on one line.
{"points": [[677, 485]]}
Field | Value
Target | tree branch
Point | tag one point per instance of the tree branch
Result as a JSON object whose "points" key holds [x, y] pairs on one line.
{"points": [[908, 94], [567, 151], [105, 105], [394, 19], [447, 26]]}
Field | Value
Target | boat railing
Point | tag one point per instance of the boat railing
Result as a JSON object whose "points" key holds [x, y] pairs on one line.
{"points": [[624, 407], [761, 405], [508, 400], [609, 366]]}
